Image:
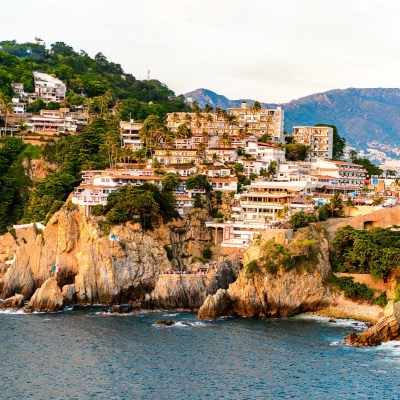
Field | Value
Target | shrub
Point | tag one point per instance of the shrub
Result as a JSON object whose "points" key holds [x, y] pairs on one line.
{"points": [[99, 210], [57, 204], [252, 267], [207, 253], [353, 290], [381, 300], [105, 227], [168, 249]]}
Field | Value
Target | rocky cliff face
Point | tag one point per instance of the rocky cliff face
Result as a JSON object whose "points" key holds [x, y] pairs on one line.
{"points": [[186, 238], [92, 268], [190, 291], [264, 288], [387, 328]]}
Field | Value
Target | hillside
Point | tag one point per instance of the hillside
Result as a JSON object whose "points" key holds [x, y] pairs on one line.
{"points": [[367, 118], [85, 77]]}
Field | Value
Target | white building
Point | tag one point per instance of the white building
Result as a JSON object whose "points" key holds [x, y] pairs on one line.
{"points": [[49, 88], [130, 134], [319, 138]]}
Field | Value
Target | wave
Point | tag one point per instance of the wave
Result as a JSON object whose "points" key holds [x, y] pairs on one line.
{"points": [[13, 312], [348, 323], [181, 324], [170, 315]]}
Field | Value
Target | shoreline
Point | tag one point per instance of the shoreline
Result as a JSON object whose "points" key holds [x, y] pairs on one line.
{"points": [[347, 309]]}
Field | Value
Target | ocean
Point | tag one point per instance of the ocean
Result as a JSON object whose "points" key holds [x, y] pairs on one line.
{"points": [[83, 354]]}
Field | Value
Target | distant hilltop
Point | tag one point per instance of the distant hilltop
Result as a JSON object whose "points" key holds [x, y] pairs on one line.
{"points": [[367, 118]]}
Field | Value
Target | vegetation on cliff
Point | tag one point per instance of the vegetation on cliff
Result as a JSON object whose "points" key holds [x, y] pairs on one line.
{"points": [[14, 182], [375, 251]]}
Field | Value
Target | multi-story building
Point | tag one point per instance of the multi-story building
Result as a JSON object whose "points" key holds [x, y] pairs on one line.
{"points": [[319, 138], [260, 122], [48, 88], [347, 173], [264, 199], [51, 122], [246, 121], [176, 156], [130, 134]]}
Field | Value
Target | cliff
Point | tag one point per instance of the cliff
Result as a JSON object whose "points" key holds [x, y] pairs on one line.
{"points": [[278, 280], [93, 269], [174, 291], [386, 329]]}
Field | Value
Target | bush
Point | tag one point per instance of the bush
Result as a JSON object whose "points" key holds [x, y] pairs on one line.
{"points": [[353, 290], [57, 204], [381, 300], [105, 227], [301, 219], [207, 253], [99, 210], [168, 249], [252, 267]]}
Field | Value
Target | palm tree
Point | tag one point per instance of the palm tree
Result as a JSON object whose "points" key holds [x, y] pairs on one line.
{"points": [[208, 108], [349, 203], [7, 108], [255, 109], [231, 120]]}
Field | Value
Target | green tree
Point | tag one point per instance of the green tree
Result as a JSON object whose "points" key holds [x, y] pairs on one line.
{"points": [[198, 181], [296, 152], [301, 219], [339, 143]]}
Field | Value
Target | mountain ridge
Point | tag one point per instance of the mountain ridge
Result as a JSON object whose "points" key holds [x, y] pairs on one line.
{"points": [[366, 117]]}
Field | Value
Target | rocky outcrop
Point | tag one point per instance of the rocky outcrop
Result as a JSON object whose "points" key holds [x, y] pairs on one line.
{"points": [[93, 269], [272, 289], [386, 329], [47, 298], [189, 291], [217, 305], [14, 302], [185, 238]]}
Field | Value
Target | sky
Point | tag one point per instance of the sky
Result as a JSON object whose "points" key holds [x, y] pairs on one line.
{"points": [[270, 51]]}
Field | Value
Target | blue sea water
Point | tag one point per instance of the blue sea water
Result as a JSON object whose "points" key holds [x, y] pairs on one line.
{"points": [[82, 354]]}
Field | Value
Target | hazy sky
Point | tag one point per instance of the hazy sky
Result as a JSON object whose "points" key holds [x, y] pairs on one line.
{"points": [[272, 51]]}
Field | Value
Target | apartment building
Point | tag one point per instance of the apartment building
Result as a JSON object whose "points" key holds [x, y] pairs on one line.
{"points": [[49, 88], [96, 185], [130, 134], [347, 176], [260, 122], [52, 122], [176, 156], [319, 138], [246, 121]]}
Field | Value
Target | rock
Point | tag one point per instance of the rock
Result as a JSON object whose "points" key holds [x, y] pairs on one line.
{"points": [[188, 291], [282, 293], [122, 308], [165, 322], [217, 305], [16, 301], [47, 298], [69, 294], [332, 321], [386, 329], [100, 271]]}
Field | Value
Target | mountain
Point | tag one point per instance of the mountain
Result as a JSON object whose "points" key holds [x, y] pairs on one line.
{"points": [[367, 118], [205, 96]]}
